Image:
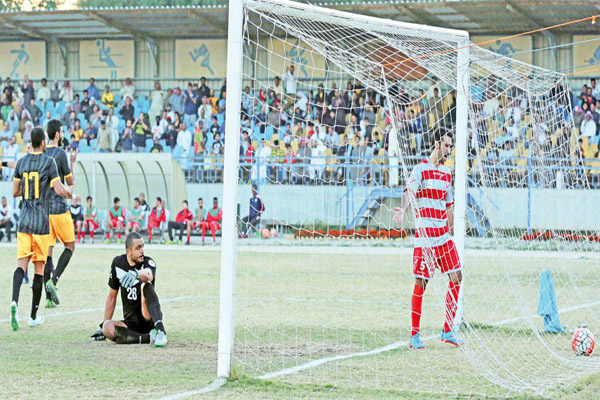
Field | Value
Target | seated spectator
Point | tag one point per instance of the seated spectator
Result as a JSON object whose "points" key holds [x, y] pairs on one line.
{"points": [[116, 220], [127, 111], [512, 129], [127, 138], [205, 110], [218, 147], [317, 162], [12, 122], [136, 217], [35, 114], [96, 116], [214, 128], [6, 223], [289, 161], [157, 128], [342, 158], [77, 135], [43, 94], [157, 148], [184, 138], [127, 89], [157, 216], [108, 98], [199, 136], [257, 207], [55, 92], [27, 132], [588, 126], [76, 211], [6, 106], [104, 144], [183, 220], [514, 111], [171, 136], [288, 135], [90, 219], [66, 93], [275, 117], [5, 133], [213, 221], [90, 133], [332, 140]]}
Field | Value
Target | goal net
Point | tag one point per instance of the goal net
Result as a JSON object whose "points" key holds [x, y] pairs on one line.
{"points": [[331, 147]]}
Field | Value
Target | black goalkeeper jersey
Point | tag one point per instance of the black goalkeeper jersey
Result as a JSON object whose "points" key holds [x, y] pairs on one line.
{"points": [[131, 297], [58, 204], [35, 172]]}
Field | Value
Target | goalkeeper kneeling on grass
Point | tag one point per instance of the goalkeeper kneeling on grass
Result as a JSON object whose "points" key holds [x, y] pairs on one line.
{"points": [[135, 274]]}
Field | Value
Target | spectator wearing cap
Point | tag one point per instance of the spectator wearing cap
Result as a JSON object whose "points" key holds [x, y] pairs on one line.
{"points": [[92, 90], [257, 207], [190, 108], [176, 101], [127, 111], [588, 126], [104, 139], [127, 89]]}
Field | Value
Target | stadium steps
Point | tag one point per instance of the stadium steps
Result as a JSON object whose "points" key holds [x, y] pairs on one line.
{"points": [[372, 203]]}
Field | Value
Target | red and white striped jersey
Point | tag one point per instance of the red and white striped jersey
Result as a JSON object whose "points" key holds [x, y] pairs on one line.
{"points": [[430, 186]]}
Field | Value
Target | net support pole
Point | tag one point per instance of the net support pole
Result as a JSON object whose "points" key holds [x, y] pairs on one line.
{"points": [[460, 176], [230, 180]]}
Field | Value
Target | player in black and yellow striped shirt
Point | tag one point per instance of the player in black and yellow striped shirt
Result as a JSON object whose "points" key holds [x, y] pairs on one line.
{"points": [[35, 176]]}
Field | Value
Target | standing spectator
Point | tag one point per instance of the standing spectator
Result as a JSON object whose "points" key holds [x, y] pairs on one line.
{"points": [[291, 84], [127, 111], [90, 219], [112, 122], [303, 157], [77, 216], [76, 104], [223, 102], [136, 217], [183, 220], [91, 132], [190, 108], [317, 162], [92, 90], [176, 100], [203, 90], [342, 158], [6, 107], [157, 101], [184, 138], [76, 135], [116, 220], [9, 89], [157, 216], [247, 101], [66, 92], [27, 89], [55, 92], [108, 98], [257, 207], [595, 89], [141, 131], [588, 126], [35, 114], [277, 159], [6, 215], [13, 122], [44, 94], [127, 89], [127, 138], [213, 221], [10, 153], [354, 156], [85, 103], [104, 144], [332, 141]]}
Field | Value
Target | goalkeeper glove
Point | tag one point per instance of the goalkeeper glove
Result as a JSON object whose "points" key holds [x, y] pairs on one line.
{"points": [[129, 279], [98, 335]]}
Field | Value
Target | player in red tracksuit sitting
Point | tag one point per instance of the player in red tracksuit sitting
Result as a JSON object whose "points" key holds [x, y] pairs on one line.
{"points": [[116, 220], [157, 215]]}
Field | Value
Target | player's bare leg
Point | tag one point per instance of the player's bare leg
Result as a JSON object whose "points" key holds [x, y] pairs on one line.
{"points": [[151, 311], [416, 305], [448, 334], [118, 332]]}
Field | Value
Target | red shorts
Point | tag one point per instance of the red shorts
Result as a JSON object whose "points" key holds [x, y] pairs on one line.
{"points": [[133, 224], [91, 225], [114, 222], [214, 224], [153, 223], [445, 258]]}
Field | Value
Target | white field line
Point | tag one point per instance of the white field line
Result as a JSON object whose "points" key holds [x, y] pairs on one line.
{"points": [[90, 310], [211, 387]]}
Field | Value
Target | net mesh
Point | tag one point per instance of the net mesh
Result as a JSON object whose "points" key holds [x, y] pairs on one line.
{"points": [[329, 300]]}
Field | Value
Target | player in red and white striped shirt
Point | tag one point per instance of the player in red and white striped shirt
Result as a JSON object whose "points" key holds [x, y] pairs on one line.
{"points": [[429, 190]]}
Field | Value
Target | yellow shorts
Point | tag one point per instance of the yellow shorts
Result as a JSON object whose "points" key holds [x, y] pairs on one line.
{"points": [[34, 246], [61, 228]]}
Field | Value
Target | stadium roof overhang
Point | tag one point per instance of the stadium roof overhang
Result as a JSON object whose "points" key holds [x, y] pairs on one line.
{"points": [[475, 16]]}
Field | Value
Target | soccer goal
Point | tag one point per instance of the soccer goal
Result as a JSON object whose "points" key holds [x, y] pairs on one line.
{"points": [[328, 301]]}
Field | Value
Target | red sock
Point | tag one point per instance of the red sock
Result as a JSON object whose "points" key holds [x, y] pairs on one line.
{"points": [[108, 235], [83, 234], [451, 302], [188, 236], [119, 235], [91, 235], [78, 235], [149, 233], [417, 301]]}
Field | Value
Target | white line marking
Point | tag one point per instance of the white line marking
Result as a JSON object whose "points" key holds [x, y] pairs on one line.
{"points": [[90, 310], [211, 387]]}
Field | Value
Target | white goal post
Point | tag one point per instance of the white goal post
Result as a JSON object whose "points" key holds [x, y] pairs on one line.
{"points": [[234, 86]]}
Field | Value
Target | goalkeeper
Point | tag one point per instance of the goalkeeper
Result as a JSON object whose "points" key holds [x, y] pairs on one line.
{"points": [[135, 274], [429, 189]]}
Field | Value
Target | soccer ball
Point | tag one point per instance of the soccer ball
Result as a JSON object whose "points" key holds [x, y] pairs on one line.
{"points": [[583, 342], [273, 232], [266, 233]]}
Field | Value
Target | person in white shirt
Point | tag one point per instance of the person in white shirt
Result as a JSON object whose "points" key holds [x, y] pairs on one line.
{"points": [[588, 126], [595, 89], [112, 122], [291, 84], [317, 161], [157, 100], [512, 129], [263, 157], [514, 112], [6, 215], [66, 92], [205, 110], [184, 139], [127, 89], [43, 93], [277, 86]]}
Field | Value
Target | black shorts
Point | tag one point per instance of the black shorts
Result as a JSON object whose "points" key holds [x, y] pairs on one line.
{"points": [[76, 218], [138, 324]]}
